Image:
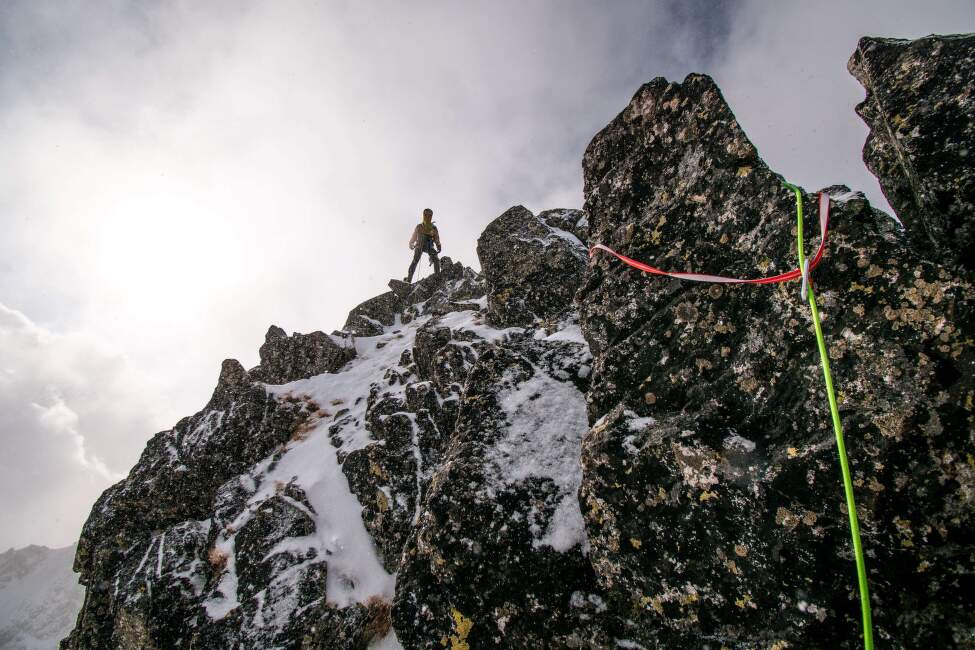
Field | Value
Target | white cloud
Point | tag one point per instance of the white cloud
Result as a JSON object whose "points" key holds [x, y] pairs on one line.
{"points": [[784, 74], [74, 415], [177, 176], [58, 419]]}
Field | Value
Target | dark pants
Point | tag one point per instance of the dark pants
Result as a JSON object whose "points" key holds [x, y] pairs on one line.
{"points": [[417, 252]]}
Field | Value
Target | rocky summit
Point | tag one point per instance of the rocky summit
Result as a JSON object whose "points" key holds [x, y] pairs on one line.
{"points": [[560, 451], [920, 107]]}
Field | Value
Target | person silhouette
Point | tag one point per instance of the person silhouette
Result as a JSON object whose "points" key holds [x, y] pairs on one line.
{"points": [[425, 239]]}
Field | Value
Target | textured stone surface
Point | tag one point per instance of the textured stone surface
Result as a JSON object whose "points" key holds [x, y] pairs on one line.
{"points": [[711, 488], [411, 408], [450, 290], [287, 358], [573, 221], [532, 268], [562, 453], [369, 317], [391, 477], [920, 107], [497, 557], [183, 491]]}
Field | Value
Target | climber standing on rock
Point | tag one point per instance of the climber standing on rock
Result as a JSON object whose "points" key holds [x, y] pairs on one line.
{"points": [[425, 239]]}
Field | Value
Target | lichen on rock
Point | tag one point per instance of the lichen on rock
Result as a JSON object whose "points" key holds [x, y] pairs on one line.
{"points": [[920, 107], [735, 450]]}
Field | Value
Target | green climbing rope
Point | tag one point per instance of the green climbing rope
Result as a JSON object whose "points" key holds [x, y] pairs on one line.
{"points": [[838, 429]]}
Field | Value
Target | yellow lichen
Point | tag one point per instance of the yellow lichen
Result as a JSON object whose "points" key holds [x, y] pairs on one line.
{"points": [[689, 598], [786, 518], [462, 627], [745, 601], [657, 604], [748, 384], [635, 543], [377, 471], [904, 529]]}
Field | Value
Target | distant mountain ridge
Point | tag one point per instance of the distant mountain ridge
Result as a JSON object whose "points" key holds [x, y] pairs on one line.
{"points": [[39, 597]]}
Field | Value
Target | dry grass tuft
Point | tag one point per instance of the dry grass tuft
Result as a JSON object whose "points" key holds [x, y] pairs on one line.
{"points": [[303, 430], [308, 418], [380, 618], [218, 560]]}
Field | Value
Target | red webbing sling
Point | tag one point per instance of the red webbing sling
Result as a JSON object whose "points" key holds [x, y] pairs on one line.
{"points": [[794, 274]]}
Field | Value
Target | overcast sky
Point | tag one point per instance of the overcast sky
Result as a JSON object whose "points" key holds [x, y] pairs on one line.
{"points": [[178, 176]]}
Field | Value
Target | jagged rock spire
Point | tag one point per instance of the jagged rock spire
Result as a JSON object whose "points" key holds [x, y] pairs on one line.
{"points": [[920, 108]]}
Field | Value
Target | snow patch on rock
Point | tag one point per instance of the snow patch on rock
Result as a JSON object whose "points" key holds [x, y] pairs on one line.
{"points": [[546, 424]]}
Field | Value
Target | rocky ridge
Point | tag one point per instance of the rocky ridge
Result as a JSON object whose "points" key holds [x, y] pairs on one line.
{"points": [[711, 428], [920, 107], [39, 597], [563, 452]]}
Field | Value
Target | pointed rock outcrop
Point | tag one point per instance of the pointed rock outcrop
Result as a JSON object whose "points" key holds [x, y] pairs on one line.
{"points": [[710, 481], [532, 267], [920, 107]]}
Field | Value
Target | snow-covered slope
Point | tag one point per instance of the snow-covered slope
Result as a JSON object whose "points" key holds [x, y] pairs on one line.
{"points": [[278, 516], [39, 597]]}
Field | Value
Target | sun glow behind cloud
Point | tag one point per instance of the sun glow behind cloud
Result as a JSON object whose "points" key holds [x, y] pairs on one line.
{"points": [[178, 176], [165, 246]]}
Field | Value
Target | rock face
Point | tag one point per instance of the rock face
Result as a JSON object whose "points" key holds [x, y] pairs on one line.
{"points": [[192, 484], [279, 514], [372, 316], [563, 453], [498, 557], [287, 358], [711, 488], [532, 265], [920, 108]]}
